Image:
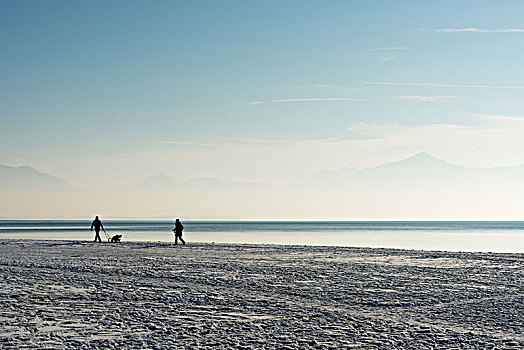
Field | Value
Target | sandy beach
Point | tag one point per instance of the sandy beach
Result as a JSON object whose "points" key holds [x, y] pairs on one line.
{"points": [[65, 294]]}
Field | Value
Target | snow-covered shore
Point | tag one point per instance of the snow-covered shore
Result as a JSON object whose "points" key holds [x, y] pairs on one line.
{"points": [[65, 294]]}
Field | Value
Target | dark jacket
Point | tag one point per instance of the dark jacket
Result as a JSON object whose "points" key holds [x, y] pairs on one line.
{"points": [[97, 224], [178, 229]]}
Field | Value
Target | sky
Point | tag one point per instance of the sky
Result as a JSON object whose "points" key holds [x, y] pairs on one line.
{"points": [[106, 93]]}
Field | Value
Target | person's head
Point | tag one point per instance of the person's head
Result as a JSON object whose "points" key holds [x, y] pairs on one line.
{"points": [[96, 217], [177, 220]]}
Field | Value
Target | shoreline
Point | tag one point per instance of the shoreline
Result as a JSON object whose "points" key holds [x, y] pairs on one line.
{"points": [[253, 244], [450, 236]]}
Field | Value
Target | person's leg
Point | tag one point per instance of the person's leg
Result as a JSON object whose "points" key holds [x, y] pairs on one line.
{"points": [[181, 240], [176, 239], [97, 237]]}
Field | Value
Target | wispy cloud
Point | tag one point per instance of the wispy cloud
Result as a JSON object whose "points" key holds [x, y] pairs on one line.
{"points": [[429, 98], [394, 129], [314, 99], [269, 140], [497, 118], [310, 99], [502, 129], [479, 30], [226, 141], [181, 143], [448, 85], [388, 48], [336, 87], [388, 53], [390, 57]]}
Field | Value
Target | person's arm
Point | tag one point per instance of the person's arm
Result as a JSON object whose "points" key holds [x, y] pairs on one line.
{"points": [[92, 225], [102, 227]]}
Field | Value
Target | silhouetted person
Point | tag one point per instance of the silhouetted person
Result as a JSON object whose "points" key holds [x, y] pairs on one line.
{"points": [[97, 224], [178, 231]]}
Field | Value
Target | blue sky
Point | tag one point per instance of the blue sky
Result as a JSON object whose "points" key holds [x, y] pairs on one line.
{"points": [[108, 92]]}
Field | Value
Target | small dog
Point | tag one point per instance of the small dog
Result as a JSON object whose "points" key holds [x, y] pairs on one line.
{"points": [[116, 238]]}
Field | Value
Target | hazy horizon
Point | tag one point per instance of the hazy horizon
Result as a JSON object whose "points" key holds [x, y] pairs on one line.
{"points": [[420, 187], [294, 107]]}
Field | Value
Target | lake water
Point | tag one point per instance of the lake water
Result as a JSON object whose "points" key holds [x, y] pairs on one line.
{"points": [[486, 236]]}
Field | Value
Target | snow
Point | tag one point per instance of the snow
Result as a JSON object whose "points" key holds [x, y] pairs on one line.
{"points": [[157, 295]]}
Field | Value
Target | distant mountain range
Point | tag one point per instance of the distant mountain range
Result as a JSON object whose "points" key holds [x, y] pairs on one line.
{"points": [[26, 178], [419, 187], [418, 169]]}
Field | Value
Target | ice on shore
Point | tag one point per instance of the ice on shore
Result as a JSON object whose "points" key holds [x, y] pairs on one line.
{"points": [[56, 294]]}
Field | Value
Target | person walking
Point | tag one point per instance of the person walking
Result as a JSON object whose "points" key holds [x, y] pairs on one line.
{"points": [[97, 224], [178, 231]]}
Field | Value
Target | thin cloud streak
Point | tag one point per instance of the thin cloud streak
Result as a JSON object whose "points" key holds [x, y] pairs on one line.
{"points": [[314, 99], [429, 98], [388, 48], [448, 85], [336, 87], [226, 142], [478, 30], [257, 141], [390, 57], [181, 143], [498, 118]]}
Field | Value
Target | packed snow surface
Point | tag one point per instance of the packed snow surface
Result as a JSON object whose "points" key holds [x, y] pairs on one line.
{"points": [[65, 294]]}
